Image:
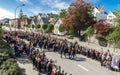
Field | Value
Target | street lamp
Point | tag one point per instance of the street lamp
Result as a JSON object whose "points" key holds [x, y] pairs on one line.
{"points": [[15, 13]]}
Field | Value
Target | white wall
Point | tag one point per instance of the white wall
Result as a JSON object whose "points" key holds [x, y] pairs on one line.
{"points": [[110, 18], [99, 14], [56, 27]]}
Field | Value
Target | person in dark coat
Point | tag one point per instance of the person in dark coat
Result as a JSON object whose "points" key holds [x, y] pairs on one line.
{"points": [[61, 50]]}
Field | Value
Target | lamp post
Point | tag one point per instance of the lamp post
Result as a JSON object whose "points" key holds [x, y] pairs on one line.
{"points": [[15, 13]]}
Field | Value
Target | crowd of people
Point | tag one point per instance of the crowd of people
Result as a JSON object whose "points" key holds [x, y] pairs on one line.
{"points": [[64, 47], [39, 60]]}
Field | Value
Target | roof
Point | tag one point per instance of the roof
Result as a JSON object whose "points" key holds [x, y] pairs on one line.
{"points": [[45, 20], [53, 20], [56, 21], [35, 21], [105, 12]]}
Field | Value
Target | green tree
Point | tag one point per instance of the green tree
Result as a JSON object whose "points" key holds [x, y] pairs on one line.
{"points": [[117, 14], [71, 31], [11, 67], [33, 26], [114, 37], [61, 28], [12, 25], [62, 13], [24, 17], [27, 25], [50, 27], [7, 25], [89, 31], [37, 26], [56, 16], [6, 58], [44, 26]]}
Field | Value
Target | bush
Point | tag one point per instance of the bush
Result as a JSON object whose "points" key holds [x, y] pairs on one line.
{"points": [[37, 26], [8, 64], [6, 25], [71, 31], [27, 25], [44, 26], [61, 28], [11, 67], [50, 27], [89, 30], [100, 38], [33, 26]]}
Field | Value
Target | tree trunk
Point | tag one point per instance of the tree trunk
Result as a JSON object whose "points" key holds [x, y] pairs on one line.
{"points": [[79, 32]]}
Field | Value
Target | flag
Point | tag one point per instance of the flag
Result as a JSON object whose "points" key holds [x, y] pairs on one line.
{"points": [[114, 63]]}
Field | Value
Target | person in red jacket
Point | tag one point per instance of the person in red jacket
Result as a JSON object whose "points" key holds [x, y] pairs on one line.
{"points": [[54, 72]]}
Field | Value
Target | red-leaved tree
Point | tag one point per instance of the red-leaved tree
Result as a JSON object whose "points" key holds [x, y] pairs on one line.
{"points": [[101, 27], [79, 16]]}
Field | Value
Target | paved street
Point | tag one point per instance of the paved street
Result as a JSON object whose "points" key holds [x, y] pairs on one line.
{"points": [[81, 66]]}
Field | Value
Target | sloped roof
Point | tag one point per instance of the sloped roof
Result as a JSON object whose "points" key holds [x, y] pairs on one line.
{"points": [[45, 20], [53, 21], [56, 20]]}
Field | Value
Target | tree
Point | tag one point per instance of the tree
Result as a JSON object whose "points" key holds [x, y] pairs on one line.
{"points": [[114, 37], [61, 28], [71, 31], [44, 26], [37, 26], [89, 32], [12, 67], [7, 63], [12, 25], [6, 24], [117, 14], [33, 26], [56, 16], [27, 25], [50, 27], [24, 17], [79, 16], [62, 13], [102, 27]]}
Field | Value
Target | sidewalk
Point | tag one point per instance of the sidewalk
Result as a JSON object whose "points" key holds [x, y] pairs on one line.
{"points": [[26, 67]]}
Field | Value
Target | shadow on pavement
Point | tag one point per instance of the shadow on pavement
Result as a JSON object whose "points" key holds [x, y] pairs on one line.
{"points": [[23, 60], [80, 59], [22, 71]]}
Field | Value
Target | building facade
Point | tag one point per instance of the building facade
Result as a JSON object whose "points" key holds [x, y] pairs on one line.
{"points": [[100, 14], [56, 27]]}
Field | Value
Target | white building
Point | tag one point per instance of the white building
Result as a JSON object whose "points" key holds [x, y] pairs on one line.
{"points": [[56, 27], [110, 18], [39, 19], [99, 13]]}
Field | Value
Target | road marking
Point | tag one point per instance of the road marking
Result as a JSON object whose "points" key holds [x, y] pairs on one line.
{"points": [[83, 67]]}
